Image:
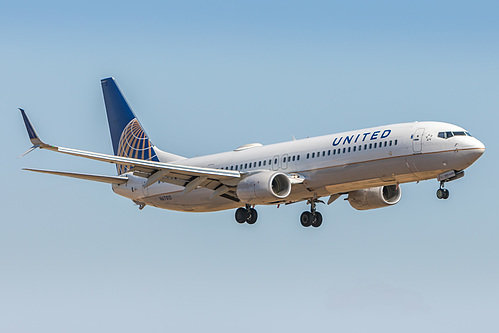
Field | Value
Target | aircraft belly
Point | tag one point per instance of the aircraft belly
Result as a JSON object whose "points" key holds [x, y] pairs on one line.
{"points": [[195, 201], [383, 172], [386, 170]]}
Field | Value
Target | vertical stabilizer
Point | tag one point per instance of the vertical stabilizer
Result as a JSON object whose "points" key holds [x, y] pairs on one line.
{"points": [[128, 137]]}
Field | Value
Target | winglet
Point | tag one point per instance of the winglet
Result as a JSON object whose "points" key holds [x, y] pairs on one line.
{"points": [[33, 137]]}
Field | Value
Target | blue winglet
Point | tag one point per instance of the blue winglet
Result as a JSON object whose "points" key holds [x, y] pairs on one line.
{"points": [[31, 131], [33, 137]]}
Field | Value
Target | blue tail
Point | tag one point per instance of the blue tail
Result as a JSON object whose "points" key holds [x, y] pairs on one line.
{"points": [[128, 137]]}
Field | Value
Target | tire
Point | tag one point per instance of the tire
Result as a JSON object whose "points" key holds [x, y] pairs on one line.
{"points": [[252, 216], [446, 194], [317, 220], [440, 193], [241, 215], [306, 219]]}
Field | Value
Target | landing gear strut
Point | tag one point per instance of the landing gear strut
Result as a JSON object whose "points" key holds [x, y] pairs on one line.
{"points": [[442, 193], [248, 215], [312, 218]]}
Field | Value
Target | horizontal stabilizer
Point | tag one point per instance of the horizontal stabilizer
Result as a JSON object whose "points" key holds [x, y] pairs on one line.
{"points": [[86, 176]]}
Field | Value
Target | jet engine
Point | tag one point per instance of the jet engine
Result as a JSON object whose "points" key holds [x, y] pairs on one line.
{"points": [[263, 187], [375, 197]]}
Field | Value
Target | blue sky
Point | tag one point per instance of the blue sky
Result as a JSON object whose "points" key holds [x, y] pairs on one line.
{"points": [[205, 77]]}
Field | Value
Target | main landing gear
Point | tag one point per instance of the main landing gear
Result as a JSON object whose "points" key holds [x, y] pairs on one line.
{"points": [[312, 218], [248, 215]]}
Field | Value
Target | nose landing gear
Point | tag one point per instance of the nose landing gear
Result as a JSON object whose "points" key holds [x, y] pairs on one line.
{"points": [[442, 193]]}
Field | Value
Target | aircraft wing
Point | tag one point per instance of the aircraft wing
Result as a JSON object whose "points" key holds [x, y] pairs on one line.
{"points": [[184, 175]]}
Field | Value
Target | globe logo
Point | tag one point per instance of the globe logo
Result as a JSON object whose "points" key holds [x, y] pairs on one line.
{"points": [[134, 143]]}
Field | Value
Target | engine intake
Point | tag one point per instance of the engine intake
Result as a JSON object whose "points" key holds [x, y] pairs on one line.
{"points": [[375, 197], [263, 187]]}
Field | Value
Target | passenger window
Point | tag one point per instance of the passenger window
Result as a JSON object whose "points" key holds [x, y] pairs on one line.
{"points": [[360, 147], [344, 150], [308, 155], [395, 142], [313, 155], [390, 143], [354, 148], [334, 151], [275, 161], [236, 167], [289, 158], [270, 162], [293, 158], [245, 166], [298, 157], [375, 145], [348, 149], [329, 153], [386, 143], [232, 167], [260, 163], [370, 146], [324, 153]]}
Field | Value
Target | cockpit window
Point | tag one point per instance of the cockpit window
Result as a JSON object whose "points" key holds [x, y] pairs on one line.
{"points": [[446, 135]]}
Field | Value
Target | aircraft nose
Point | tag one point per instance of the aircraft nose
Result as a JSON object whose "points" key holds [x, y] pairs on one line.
{"points": [[477, 150], [480, 145]]}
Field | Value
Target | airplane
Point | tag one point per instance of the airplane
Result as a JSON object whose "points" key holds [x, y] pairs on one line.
{"points": [[368, 165]]}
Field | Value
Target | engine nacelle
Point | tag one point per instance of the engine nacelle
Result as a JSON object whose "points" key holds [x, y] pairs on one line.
{"points": [[375, 197], [264, 187]]}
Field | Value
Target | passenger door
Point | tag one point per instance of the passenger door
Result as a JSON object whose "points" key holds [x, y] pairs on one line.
{"points": [[417, 141]]}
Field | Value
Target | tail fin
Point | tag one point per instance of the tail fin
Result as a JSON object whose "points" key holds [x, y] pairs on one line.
{"points": [[128, 137]]}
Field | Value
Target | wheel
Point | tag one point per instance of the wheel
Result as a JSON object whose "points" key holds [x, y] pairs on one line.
{"points": [[252, 216], [446, 194], [306, 219], [317, 220], [241, 215], [440, 193]]}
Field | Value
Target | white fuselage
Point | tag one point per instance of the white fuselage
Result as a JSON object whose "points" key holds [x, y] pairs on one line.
{"points": [[330, 164]]}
